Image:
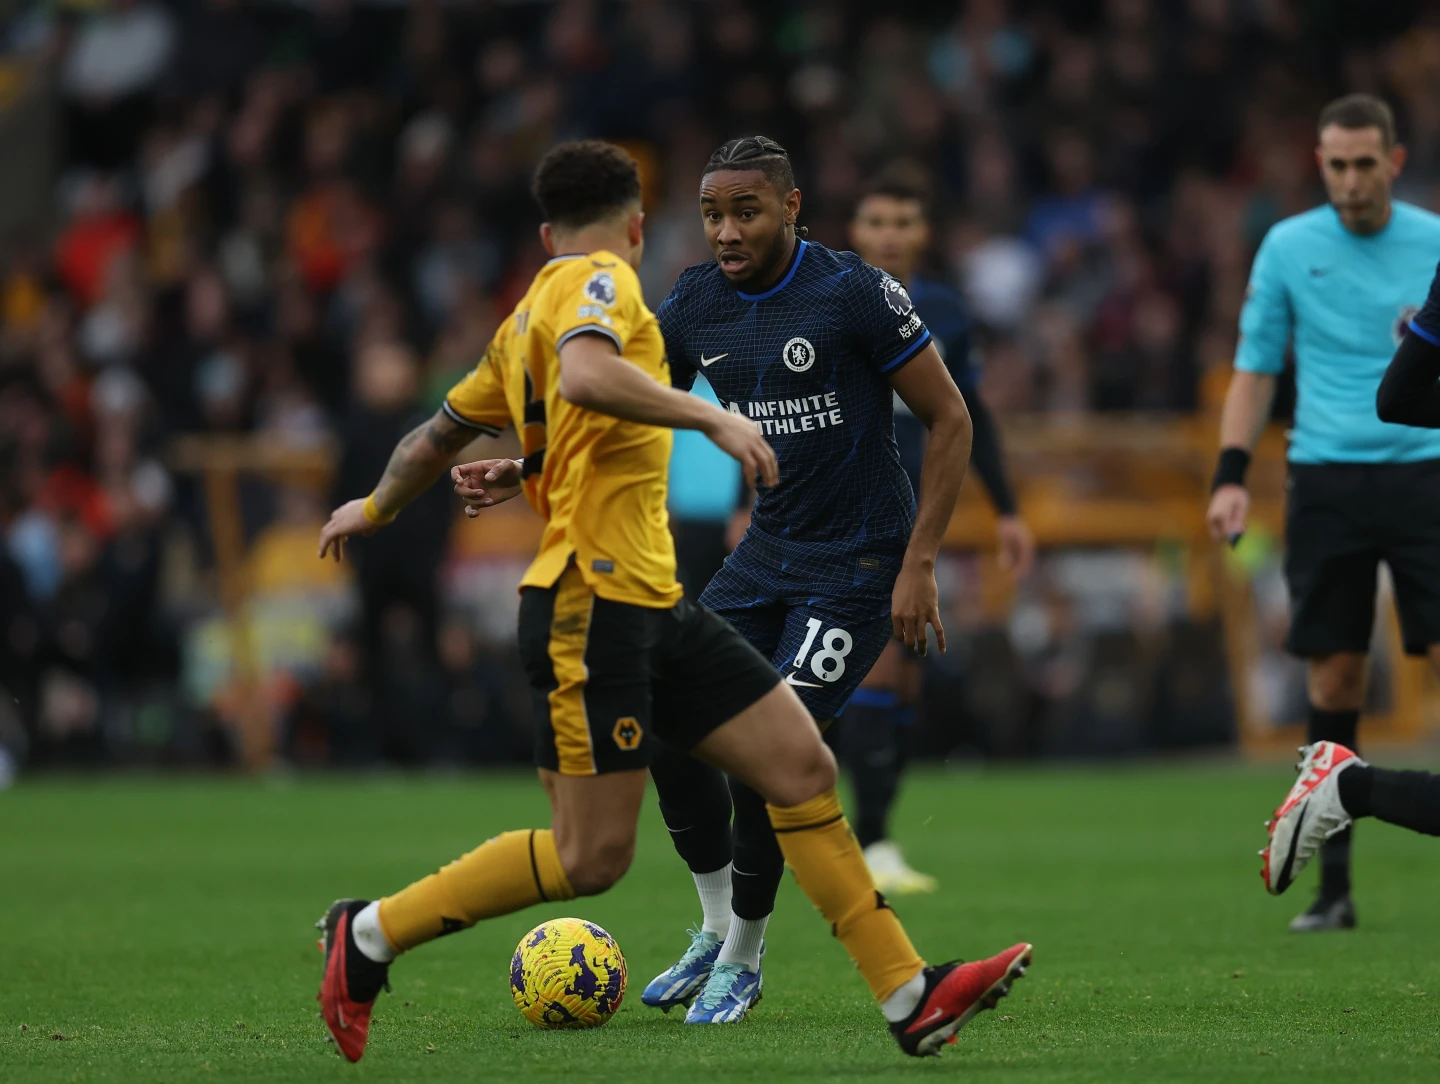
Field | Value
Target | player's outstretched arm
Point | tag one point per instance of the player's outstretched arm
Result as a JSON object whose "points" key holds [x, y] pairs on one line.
{"points": [[928, 390], [421, 457], [595, 376], [1242, 420], [1410, 392]]}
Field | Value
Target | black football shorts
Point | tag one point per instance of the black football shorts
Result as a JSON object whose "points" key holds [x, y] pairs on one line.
{"points": [[611, 678], [1341, 521]]}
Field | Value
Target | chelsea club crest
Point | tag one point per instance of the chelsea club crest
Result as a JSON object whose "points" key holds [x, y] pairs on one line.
{"points": [[798, 355]]}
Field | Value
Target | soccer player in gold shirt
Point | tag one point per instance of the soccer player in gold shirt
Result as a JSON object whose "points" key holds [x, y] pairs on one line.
{"points": [[618, 658]]}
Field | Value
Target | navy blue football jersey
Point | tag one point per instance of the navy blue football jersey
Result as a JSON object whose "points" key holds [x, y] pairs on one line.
{"points": [[809, 360], [943, 310]]}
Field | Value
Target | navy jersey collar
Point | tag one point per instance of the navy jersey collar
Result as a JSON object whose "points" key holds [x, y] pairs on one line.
{"points": [[800, 246]]}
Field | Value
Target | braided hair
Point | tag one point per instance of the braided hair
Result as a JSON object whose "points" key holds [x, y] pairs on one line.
{"points": [[760, 153]]}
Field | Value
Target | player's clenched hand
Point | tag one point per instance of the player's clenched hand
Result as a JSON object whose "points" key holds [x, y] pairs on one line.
{"points": [[741, 438], [349, 519], [914, 604], [1229, 505], [486, 482]]}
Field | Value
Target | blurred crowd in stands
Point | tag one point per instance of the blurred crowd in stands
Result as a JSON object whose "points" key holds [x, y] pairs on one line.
{"points": [[302, 221]]}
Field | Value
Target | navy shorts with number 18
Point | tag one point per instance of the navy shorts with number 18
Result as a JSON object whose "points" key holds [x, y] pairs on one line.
{"points": [[823, 642]]}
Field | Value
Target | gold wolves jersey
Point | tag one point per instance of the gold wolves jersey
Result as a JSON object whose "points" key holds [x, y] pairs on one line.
{"points": [[599, 482]]}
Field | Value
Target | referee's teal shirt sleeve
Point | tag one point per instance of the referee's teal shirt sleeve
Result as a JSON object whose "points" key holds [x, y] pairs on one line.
{"points": [[1267, 318]]}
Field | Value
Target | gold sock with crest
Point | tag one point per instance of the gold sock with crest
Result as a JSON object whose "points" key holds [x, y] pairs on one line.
{"points": [[502, 875], [830, 867]]}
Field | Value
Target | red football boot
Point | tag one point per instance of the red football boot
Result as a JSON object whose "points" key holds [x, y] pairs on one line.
{"points": [[954, 993], [352, 980]]}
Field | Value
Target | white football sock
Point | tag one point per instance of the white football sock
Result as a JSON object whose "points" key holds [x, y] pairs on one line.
{"points": [[369, 938], [905, 1000], [714, 889], [742, 945]]}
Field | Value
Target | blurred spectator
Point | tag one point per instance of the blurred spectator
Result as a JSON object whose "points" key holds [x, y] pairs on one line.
{"points": [[118, 54], [269, 215], [99, 231], [397, 570], [332, 722]]}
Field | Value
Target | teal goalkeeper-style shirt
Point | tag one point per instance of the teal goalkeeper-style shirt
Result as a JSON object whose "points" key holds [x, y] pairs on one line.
{"points": [[1344, 301], [704, 482]]}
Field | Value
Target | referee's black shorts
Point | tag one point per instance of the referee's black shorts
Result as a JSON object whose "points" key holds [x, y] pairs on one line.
{"points": [[1341, 521], [611, 678]]}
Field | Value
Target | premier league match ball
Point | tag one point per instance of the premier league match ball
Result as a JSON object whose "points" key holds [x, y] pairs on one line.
{"points": [[567, 973]]}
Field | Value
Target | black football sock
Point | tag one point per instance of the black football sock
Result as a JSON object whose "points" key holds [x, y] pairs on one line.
{"points": [[759, 865], [695, 803], [1337, 726], [1408, 799], [871, 748]]}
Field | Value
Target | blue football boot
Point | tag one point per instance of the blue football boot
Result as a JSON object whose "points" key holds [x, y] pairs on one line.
{"points": [[680, 982], [730, 992]]}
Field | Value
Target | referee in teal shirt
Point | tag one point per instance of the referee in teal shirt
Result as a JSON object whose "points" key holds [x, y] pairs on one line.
{"points": [[1339, 285]]}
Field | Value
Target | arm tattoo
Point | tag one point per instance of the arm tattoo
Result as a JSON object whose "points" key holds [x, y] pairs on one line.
{"points": [[421, 457], [446, 436]]}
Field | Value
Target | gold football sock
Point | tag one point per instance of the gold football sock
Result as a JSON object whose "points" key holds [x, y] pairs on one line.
{"points": [[501, 875], [819, 846]]}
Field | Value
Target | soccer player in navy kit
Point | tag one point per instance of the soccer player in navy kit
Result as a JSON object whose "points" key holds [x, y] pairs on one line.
{"points": [[811, 344], [890, 229]]}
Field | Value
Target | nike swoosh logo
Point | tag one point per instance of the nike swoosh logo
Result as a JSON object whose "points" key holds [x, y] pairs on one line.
{"points": [[934, 1014], [1284, 881], [704, 361], [790, 680]]}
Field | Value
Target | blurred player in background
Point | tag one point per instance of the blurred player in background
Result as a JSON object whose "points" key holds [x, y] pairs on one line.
{"points": [[1340, 283], [891, 230], [618, 660], [811, 346], [705, 489]]}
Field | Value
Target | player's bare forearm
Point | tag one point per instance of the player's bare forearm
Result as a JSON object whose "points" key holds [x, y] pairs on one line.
{"points": [[947, 456], [421, 456], [594, 375], [1247, 409], [927, 389]]}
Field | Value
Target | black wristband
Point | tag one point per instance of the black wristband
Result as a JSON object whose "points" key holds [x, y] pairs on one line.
{"points": [[1230, 471]]}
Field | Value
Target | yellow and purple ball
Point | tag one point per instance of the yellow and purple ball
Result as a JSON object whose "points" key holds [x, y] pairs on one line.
{"points": [[567, 973]]}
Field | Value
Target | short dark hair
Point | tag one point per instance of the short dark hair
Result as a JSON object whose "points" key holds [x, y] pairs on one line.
{"points": [[582, 182], [1355, 111], [898, 183], [755, 152]]}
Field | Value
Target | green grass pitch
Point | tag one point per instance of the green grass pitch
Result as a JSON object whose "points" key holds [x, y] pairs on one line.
{"points": [[163, 929]]}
